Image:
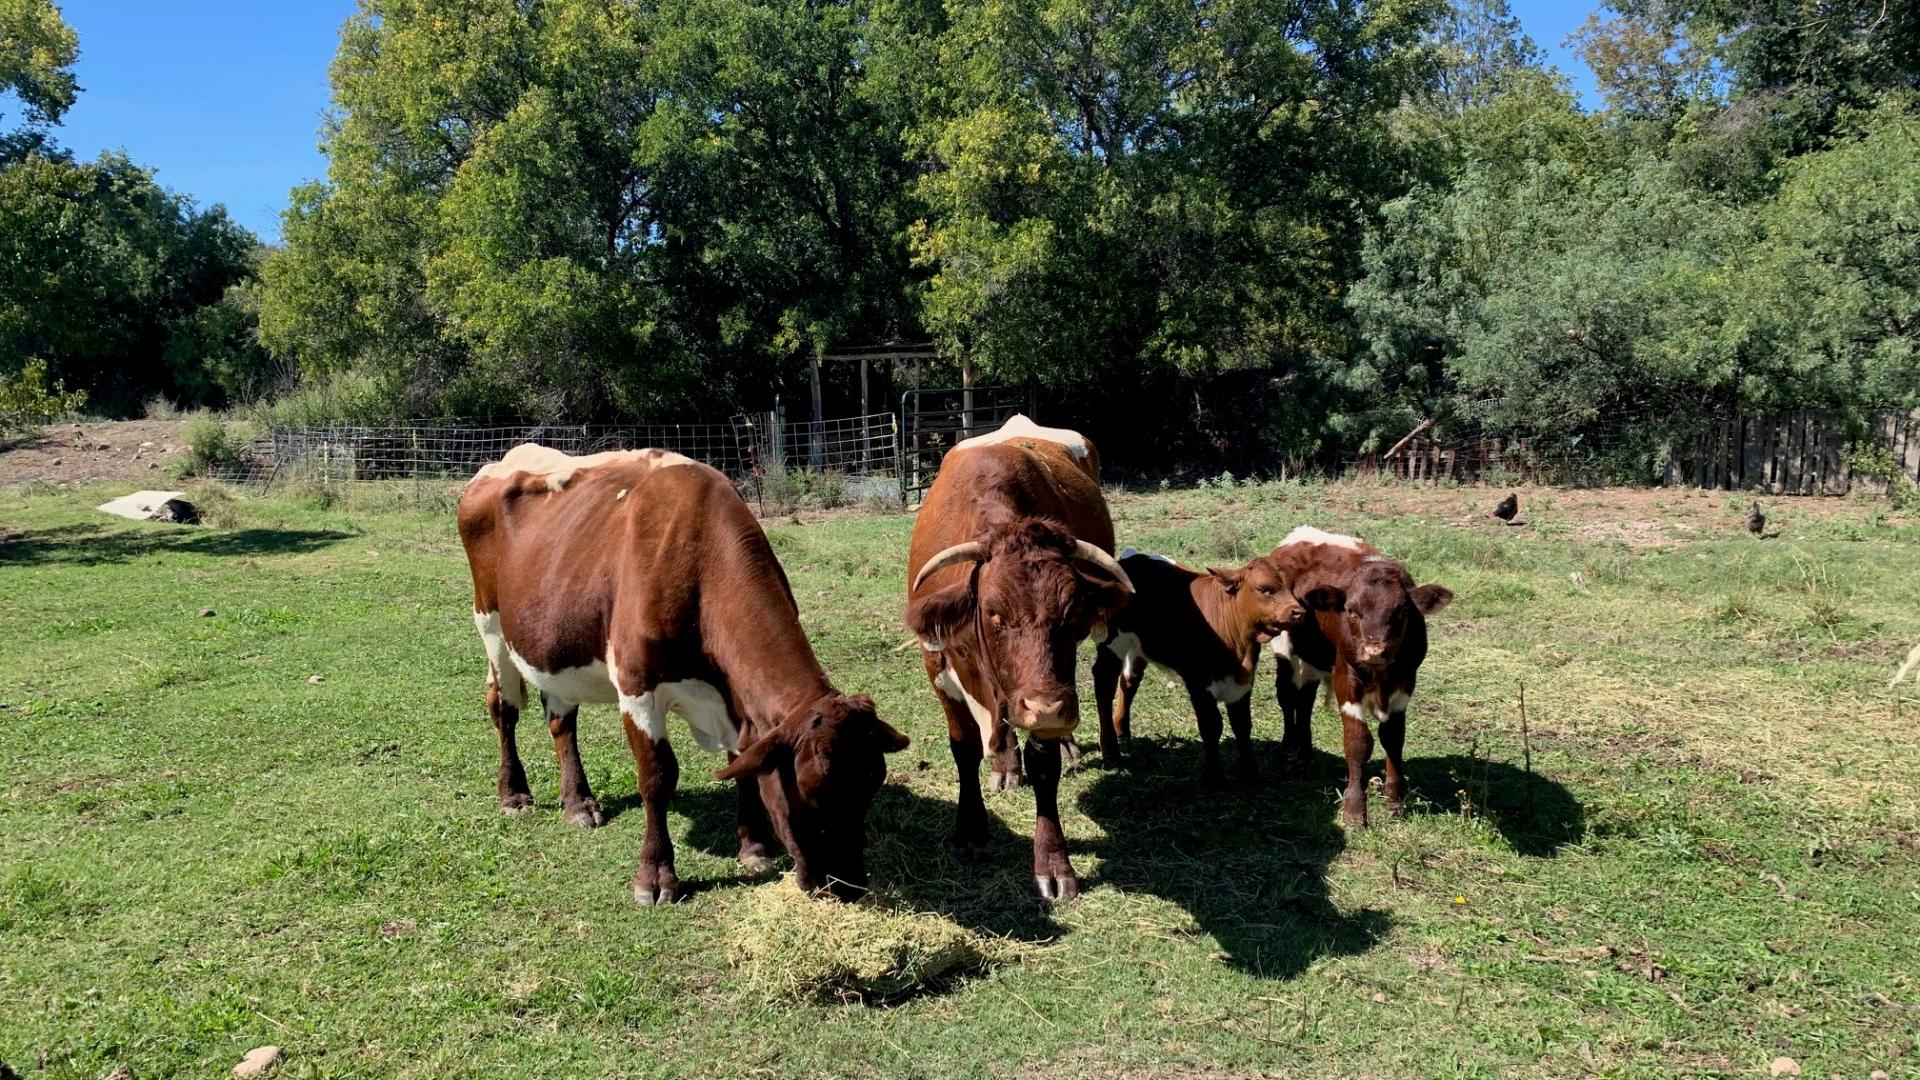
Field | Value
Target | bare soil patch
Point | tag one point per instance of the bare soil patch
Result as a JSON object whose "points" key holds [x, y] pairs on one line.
{"points": [[94, 451]]}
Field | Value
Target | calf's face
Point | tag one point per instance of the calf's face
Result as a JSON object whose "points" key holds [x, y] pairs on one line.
{"points": [[1381, 603], [1266, 600], [818, 774]]}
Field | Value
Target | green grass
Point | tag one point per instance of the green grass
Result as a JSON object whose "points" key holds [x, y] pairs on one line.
{"points": [[1712, 864]]}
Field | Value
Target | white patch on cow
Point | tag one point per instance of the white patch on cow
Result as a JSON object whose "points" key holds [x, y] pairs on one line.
{"points": [[588, 684], [1303, 672], [1126, 646], [1398, 702], [949, 684], [700, 704], [621, 494], [1019, 427], [1351, 710], [1228, 691], [647, 713], [513, 690], [1307, 534], [558, 469]]}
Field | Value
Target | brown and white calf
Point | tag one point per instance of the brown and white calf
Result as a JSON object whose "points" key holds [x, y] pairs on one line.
{"points": [[1011, 566], [640, 578], [1206, 628], [1370, 648]]}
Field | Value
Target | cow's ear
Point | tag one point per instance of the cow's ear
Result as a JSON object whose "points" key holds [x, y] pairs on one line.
{"points": [[1431, 598], [764, 755], [1325, 598], [892, 740], [1231, 578], [935, 615]]}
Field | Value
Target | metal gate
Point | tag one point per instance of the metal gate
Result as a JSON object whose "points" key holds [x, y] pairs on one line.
{"points": [[932, 421]]}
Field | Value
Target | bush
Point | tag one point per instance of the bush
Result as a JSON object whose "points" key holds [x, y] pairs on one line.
{"points": [[212, 444], [1877, 463], [27, 402]]}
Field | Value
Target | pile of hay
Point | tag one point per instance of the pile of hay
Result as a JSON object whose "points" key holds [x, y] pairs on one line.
{"points": [[790, 945]]}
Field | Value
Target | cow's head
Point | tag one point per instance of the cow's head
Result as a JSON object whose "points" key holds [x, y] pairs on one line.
{"points": [[1382, 602], [1011, 625], [1266, 602], [818, 774]]}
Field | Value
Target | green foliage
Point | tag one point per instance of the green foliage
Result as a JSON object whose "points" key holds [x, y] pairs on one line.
{"points": [[26, 400], [1877, 463], [37, 53], [211, 443]]}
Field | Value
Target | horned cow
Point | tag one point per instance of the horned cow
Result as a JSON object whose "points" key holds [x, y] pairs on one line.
{"points": [[1010, 568]]}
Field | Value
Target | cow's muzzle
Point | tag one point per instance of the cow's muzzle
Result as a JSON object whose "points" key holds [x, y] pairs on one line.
{"points": [[1048, 716]]}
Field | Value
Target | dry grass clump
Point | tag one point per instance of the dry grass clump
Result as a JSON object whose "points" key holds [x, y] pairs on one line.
{"points": [[790, 945]]}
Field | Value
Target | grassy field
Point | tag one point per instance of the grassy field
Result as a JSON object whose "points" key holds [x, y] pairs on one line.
{"points": [[1711, 865]]}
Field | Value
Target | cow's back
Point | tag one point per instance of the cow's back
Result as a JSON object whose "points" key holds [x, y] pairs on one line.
{"points": [[1025, 475], [554, 548]]}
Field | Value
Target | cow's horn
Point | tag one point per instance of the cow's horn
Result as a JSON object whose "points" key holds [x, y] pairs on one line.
{"points": [[971, 551], [1088, 553]]}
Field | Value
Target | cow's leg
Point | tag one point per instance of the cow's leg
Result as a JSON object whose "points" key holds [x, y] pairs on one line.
{"points": [[1107, 670], [1006, 757], [576, 798], [644, 718], [1357, 741], [1052, 871], [1393, 733], [1240, 716], [969, 842], [754, 828], [503, 706], [1296, 710], [1207, 711]]}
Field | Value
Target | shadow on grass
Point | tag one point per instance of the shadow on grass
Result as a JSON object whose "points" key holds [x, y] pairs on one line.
{"points": [[1534, 815], [1248, 864], [93, 545]]}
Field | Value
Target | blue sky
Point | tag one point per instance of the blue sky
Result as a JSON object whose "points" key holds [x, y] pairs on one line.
{"points": [[224, 98]]}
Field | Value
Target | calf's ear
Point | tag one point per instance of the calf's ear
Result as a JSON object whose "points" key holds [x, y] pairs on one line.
{"points": [[1431, 598], [1325, 598], [764, 755], [1231, 578]]}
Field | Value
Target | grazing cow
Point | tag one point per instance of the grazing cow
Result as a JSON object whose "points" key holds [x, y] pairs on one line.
{"points": [[1206, 628], [1370, 647], [639, 577], [1011, 566]]}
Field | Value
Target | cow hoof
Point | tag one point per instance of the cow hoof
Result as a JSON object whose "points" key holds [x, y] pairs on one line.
{"points": [[1396, 808], [1069, 750], [1055, 888], [1352, 820], [1003, 781], [516, 803], [586, 815], [755, 863], [652, 888]]}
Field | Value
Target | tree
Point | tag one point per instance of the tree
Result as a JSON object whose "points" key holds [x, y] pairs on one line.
{"points": [[37, 53]]}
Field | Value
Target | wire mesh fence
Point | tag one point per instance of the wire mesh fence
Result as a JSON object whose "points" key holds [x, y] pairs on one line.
{"points": [[755, 450]]}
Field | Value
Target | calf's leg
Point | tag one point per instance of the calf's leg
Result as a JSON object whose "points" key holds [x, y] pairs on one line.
{"points": [[1107, 671], [1393, 733], [1207, 711], [576, 798], [1357, 741], [1006, 757], [1296, 710], [754, 828], [515, 795], [1240, 716], [659, 775], [1052, 871]]}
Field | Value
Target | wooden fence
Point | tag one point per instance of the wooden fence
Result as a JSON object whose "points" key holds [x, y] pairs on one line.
{"points": [[1791, 453]]}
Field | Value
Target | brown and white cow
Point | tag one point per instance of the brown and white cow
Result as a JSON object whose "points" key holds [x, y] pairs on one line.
{"points": [[1370, 648], [1208, 629], [1010, 568], [640, 578]]}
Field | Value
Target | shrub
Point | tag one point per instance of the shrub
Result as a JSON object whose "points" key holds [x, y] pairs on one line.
{"points": [[1878, 463], [26, 401], [212, 444]]}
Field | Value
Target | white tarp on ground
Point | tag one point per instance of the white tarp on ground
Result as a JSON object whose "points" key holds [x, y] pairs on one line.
{"points": [[141, 505]]}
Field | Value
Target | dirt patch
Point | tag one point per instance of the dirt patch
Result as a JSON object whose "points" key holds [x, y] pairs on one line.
{"points": [[128, 451]]}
